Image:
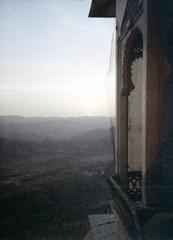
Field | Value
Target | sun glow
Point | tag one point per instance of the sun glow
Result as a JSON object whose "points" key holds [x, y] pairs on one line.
{"points": [[54, 76]]}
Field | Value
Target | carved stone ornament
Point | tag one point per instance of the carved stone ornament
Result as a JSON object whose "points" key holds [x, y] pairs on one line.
{"points": [[133, 51]]}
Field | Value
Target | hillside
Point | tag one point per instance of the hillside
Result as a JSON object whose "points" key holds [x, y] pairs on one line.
{"points": [[97, 142], [40, 128], [49, 187]]}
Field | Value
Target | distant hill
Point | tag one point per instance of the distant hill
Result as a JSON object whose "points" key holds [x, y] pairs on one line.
{"points": [[95, 142], [55, 128], [19, 157]]}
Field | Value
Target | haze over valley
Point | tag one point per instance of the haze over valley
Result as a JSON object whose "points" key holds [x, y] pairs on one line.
{"points": [[54, 60], [53, 174]]}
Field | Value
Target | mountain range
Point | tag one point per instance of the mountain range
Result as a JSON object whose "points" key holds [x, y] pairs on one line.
{"points": [[54, 128]]}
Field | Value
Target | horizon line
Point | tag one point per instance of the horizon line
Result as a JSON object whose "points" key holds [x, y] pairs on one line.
{"points": [[80, 116]]}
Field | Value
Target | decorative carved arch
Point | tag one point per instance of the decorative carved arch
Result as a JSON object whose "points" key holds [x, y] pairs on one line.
{"points": [[133, 51]]}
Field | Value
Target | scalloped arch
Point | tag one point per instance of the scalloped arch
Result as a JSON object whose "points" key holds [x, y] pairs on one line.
{"points": [[133, 51]]}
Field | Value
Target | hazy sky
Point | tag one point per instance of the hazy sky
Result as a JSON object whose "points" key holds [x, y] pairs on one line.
{"points": [[53, 58]]}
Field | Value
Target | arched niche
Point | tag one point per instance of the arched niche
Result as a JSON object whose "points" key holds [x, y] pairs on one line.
{"points": [[132, 91]]}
